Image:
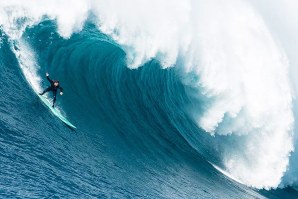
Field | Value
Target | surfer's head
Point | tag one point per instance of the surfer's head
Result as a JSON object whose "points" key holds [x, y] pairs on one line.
{"points": [[56, 83]]}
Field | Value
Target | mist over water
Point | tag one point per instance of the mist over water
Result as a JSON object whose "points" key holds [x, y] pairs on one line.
{"points": [[236, 61]]}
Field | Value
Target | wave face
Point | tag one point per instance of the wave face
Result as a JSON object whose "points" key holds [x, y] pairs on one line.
{"points": [[154, 95]]}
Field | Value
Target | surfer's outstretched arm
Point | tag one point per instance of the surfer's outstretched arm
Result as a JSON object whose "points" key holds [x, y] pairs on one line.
{"points": [[61, 90], [48, 77]]}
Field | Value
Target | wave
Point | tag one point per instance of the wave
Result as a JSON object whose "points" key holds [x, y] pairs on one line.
{"points": [[225, 86]]}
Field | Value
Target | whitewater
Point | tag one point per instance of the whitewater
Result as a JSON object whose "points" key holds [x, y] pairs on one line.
{"points": [[171, 99]]}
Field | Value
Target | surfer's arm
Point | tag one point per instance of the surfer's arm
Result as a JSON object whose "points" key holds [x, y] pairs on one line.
{"points": [[61, 90], [51, 81]]}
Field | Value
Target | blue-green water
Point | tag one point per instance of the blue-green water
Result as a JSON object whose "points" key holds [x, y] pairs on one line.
{"points": [[134, 136]]}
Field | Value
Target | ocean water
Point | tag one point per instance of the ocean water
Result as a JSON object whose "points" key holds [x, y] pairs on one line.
{"points": [[171, 99]]}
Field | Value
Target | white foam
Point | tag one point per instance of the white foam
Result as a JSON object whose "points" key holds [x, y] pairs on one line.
{"points": [[28, 64], [16, 15], [241, 68], [282, 19]]}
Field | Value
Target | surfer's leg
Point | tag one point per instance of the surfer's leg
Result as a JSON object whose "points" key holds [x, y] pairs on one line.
{"points": [[54, 100], [46, 90]]}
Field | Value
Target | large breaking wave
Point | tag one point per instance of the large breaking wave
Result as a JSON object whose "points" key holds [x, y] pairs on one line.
{"points": [[228, 69]]}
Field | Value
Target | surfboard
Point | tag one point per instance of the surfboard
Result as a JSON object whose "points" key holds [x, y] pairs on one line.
{"points": [[55, 111]]}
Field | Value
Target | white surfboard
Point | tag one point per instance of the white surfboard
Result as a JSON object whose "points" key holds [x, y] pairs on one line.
{"points": [[55, 111]]}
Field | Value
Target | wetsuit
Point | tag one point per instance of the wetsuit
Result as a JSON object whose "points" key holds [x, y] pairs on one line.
{"points": [[52, 88]]}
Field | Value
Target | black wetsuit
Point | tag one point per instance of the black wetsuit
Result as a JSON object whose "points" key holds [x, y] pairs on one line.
{"points": [[52, 88]]}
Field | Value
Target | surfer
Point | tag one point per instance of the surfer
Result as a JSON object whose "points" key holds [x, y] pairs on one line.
{"points": [[53, 87]]}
